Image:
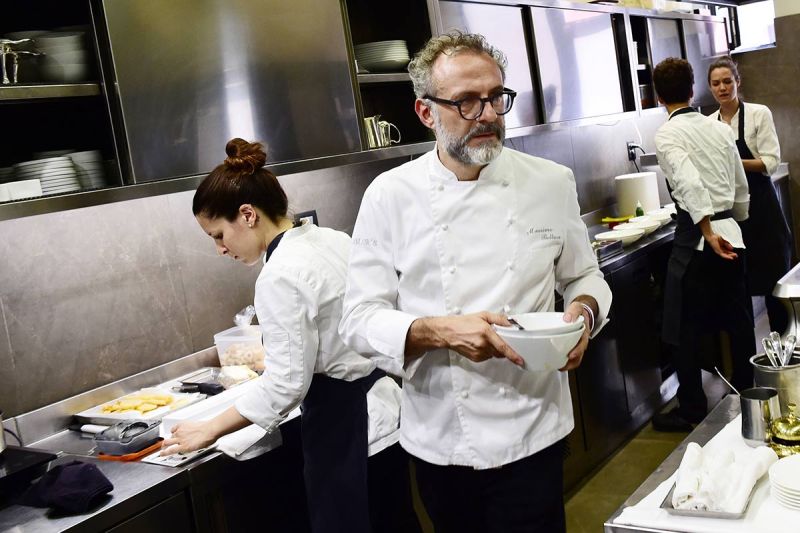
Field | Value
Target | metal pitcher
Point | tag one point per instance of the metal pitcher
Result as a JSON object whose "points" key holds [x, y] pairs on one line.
{"points": [[379, 132]]}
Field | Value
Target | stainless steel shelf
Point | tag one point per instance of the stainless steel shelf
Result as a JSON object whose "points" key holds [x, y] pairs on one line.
{"points": [[64, 202], [383, 78], [34, 92]]}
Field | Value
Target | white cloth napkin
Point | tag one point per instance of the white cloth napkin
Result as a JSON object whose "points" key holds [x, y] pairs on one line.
{"points": [[252, 440], [763, 515]]}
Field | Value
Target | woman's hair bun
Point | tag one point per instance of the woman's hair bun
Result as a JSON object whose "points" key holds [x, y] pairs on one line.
{"points": [[244, 156]]}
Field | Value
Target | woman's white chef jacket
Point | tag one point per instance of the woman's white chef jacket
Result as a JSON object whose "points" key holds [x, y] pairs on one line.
{"points": [[298, 301], [759, 134], [426, 244], [699, 158]]}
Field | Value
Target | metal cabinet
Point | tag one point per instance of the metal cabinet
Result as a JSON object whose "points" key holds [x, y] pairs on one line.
{"points": [[705, 40], [170, 516], [191, 74], [577, 64], [504, 28], [664, 38]]}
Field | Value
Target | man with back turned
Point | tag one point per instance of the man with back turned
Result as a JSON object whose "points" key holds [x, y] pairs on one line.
{"points": [[705, 288]]}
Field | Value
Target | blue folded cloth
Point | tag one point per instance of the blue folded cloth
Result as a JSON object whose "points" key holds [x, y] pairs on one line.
{"points": [[72, 487]]}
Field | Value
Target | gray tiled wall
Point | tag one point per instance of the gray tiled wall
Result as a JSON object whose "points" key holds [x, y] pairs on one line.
{"points": [[93, 295]]}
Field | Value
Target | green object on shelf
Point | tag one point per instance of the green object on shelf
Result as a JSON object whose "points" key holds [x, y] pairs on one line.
{"points": [[639, 210]]}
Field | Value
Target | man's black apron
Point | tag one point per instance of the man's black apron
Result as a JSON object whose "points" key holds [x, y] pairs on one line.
{"points": [[335, 432], [687, 235], [765, 232]]}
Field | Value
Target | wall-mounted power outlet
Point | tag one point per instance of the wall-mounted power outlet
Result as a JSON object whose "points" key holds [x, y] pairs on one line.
{"points": [[307, 217], [631, 150]]}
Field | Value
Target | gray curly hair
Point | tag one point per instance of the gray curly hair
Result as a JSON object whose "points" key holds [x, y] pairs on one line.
{"points": [[451, 43]]}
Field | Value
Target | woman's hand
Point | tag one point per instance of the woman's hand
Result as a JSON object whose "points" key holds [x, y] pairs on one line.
{"points": [[188, 437]]}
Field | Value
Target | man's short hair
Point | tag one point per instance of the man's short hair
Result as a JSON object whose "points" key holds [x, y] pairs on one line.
{"points": [[674, 79], [452, 43]]}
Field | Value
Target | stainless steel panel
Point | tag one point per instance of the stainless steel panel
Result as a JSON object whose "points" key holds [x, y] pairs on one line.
{"points": [[705, 41], [665, 39], [577, 63], [504, 28], [193, 74]]}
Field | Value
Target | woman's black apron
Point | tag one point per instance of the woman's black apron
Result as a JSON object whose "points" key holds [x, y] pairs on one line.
{"points": [[335, 428], [765, 232], [687, 235]]}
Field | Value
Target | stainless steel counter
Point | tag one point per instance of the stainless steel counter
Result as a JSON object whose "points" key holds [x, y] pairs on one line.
{"points": [[723, 413]]}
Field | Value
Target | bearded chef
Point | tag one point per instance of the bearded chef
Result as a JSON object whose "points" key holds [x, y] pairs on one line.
{"points": [[444, 247]]}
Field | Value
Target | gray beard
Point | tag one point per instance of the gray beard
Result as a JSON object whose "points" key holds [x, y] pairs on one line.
{"points": [[458, 148]]}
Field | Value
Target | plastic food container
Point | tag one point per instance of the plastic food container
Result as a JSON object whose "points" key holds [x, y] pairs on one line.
{"points": [[241, 346]]}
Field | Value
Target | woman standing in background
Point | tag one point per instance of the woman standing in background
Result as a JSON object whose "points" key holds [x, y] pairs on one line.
{"points": [[349, 407], [766, 233]]}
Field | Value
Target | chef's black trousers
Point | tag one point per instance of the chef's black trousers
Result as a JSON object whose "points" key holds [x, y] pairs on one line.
{"points": [[715, 298], [523, 496]]}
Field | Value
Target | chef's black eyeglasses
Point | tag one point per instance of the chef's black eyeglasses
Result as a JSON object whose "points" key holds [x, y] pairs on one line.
{"points": [[471, 107]]}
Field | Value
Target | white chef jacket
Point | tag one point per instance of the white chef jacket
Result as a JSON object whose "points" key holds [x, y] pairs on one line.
{"points": [[426, 244], [699, 158], [759, 134], [298, 301]]}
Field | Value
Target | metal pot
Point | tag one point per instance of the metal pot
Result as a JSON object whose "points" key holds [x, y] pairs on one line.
{"points": [[2, 434], [786, 379]]}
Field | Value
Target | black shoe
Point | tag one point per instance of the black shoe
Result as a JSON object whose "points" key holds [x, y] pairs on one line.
{"points": [[672, 421]]}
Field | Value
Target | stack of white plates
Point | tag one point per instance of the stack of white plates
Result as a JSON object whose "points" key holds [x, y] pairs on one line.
{"points": [[626, 235], [6, 174], [784, 477], [382, 56], [56, 174], [66, 58], [89, 166], [51, 153]]}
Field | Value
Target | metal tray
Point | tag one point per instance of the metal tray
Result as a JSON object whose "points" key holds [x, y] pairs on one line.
{"points": [[95, 415], [667, 506]]}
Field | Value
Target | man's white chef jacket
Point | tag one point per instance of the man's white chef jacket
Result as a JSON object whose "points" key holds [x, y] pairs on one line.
{"points": [[426, 244], [298, 301], [701, 162]]}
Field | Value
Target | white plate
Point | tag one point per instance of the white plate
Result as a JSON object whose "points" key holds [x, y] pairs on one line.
{"points": [[95, 415], [35, 162], [384, 66], [786, 473], [627, 236], [648, 227]]}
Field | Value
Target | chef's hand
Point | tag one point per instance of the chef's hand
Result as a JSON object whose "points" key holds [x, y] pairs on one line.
{"points": [[575, 356], [188, 437], [470, 335], [721, 247]]}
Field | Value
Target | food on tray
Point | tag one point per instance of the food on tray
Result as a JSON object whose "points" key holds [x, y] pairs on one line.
{"points": [[240, 353], [142, 402], [233, 375]]}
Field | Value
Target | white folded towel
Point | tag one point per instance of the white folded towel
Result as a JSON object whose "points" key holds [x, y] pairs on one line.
{"points": [[688, 481]]}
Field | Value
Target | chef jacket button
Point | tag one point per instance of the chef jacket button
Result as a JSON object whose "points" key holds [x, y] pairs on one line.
{"points": [[444, 227], [510, 265], [510, 220], [440, 187], [502, 391], [456, 310], [464, 394], [505, 183], [506, 309], [452, 269]]}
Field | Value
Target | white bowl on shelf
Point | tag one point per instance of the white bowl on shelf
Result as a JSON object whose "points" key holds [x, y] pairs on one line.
{"points": [[627, 236], [649, 226], [663, 215]]}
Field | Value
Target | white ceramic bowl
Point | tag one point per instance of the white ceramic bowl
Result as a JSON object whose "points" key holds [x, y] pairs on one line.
{"points": [[544, 353], [546, 323], [663, 215], [648, 226], [627, 236]]}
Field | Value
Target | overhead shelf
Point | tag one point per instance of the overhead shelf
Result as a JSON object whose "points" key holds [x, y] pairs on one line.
{"points": [[384, 78], [40, 91]]}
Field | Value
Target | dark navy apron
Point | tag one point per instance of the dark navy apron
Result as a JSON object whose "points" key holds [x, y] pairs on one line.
{"points": [[335, 434], [765, 232], [687, 235], [335, 429]]}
